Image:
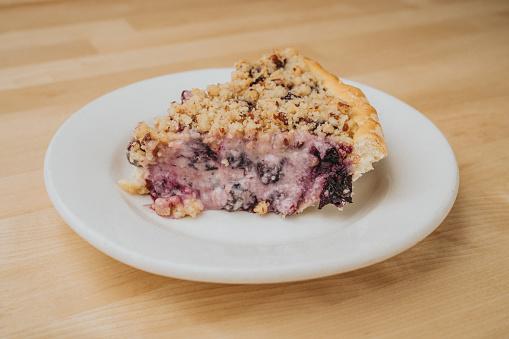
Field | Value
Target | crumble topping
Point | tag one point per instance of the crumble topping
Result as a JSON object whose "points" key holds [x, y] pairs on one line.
{"points": [[278, 93], [273, 176]]}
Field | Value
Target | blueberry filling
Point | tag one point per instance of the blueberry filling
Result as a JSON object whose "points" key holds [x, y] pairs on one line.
{"points": [[269, 170], [237, 178], [338, 185]]}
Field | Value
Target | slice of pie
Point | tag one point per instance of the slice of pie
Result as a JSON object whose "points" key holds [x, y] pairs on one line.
{"points": [[283, 135]]}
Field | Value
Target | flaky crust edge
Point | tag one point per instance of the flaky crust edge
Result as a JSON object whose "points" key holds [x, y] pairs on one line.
{"points": [[369, 141]]}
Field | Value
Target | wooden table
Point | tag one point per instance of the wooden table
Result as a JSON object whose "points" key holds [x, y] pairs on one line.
{"points": [[448, 59]]}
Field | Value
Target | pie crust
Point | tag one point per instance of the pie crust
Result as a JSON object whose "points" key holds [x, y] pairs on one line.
{"points": [[369, 141]]}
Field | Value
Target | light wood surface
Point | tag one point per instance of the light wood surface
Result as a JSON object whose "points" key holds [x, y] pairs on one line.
{"points": [[448, 59]]}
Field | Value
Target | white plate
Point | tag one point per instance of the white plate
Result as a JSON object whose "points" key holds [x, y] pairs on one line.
{"points": [[397, 205]]}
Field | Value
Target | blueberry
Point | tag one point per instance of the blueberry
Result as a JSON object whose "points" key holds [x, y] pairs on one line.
{"points": [[202, 166], [201, 157], [336, 190], [240, 198], [210, 166], [329, 160], [161, 186], [201, 151], [331, 155], [269, 171], [237, 159], [134, 145], [186, 95], [274, 196]]}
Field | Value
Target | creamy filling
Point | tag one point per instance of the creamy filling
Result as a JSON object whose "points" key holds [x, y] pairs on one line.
{"points": [[287, 173]]}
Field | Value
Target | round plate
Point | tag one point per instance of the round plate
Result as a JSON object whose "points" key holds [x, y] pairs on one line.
{"points": [[395, 206]]}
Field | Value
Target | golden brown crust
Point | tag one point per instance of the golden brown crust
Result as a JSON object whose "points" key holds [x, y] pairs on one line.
{"points": [[369, 140]]}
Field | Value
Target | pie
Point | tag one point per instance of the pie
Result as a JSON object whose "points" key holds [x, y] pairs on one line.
{"points": [[282, 135]]}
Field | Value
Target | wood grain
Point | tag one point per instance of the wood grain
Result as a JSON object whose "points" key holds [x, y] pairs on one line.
{"points": [[448, 59]]}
